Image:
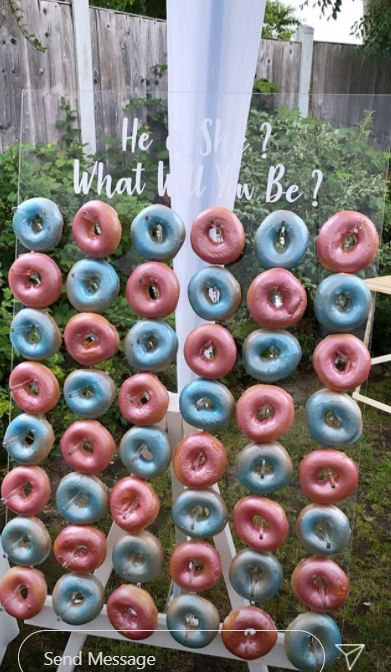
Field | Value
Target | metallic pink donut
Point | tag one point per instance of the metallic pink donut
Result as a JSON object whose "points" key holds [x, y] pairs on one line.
{"points": [[26, 490], [342, 476], [90, 338], [23, 592], [347, 242], [34, 388], [276, 299], [210, 351], [35, 280], [342, 362], [80, 548], [200, 460], [132, 611], [152, 290], [195, 566], [143, 399], [264, 412], [249, 632], [87, 447], [96, 229], [320, 583], [228, 242], [249, 516], [134, 504]]}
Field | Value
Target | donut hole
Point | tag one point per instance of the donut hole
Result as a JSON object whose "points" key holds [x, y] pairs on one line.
{"points": [[33, 335], [29, 439], [276, 297], [33, 387], [319, 584], [215, 233], [144, 399], [34, 279], [96, 228], [196, 566], [199, 462], [212, 294], [158, 232], [24, 592], [77, 598], [81, 500], [204, 404], [24, 542], [36, 224], [322, 531], [88, 392], [90, 339], [281, 240], [249, 632], [340, 361], [332, 420], [270, 352], [144, 452], [149, 344], [343, 301], [92, 285], [27, 490], [264, 469], [87, 446], [261, 524], [153, 291], [81, 550], [137, 559], [349, 241], [199, 513], [265, 412], [192, 621], [131, 507], [328, 475], [209, 351]]}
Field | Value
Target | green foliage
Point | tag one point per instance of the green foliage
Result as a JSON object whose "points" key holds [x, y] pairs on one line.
{"points": [[280, 21], [154, 8], [18, 14], [264, 86]]}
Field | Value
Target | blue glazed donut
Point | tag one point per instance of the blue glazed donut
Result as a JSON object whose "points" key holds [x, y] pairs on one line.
{"points": [[200, 513], [26, 541], [323, 529], [255, 576], [206, 404], [151, 345], [193, 621], [89, 393], [214, 293], [271, 355], [138, 558], [34, 334], [333, 418], [157, 233], [78, 598], [38, 224], [92, 285], [28, 439], [303, 650], [281, 240], [139, 439], [264, 468], [342, 302], [81, 499]]}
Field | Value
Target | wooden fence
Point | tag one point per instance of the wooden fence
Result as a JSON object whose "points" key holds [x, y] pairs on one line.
{"points": [[125, 47]]}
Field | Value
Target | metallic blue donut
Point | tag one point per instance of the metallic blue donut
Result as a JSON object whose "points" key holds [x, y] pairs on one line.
{"points": [[26, 541], [255, 576], [191, 505], [342, 302], [264, 468], [285, 230], [271, 355], [34, 334], [28, 439], [151, 345], [151, 222], [81, 499], [206, 404], [305, 652], [333, 418], [89, 393], [138, 558], [204, 283], [72, 610], [192, 621], [92, 285], [323, 529], [38, 224], [133, 444]]}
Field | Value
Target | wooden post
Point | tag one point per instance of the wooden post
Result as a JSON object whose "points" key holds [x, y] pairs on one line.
{"points": [[305, 35], [85, 82]]}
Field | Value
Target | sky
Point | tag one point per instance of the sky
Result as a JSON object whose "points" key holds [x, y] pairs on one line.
{"points": [[330, 30]]}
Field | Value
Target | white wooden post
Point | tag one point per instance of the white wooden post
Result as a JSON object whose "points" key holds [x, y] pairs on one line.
{"points": [[305, 35], [85, 81]]}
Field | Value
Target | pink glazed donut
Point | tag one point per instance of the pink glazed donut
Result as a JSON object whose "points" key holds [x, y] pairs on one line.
{"points": [[210, 351], [90, 338], [96, 229], [87, 446], [227, 243], [34, 388], [276, 299], [342, 476], [320, 583], [80, 548], [264, 412], [35, 280], [134, 504], [342, 362], [347, 242], [249, 632], [23, 592], [248, 520], [152, 290], [143, 399], [132, 611], [26, 490], [195, 566], [200, 460]]}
